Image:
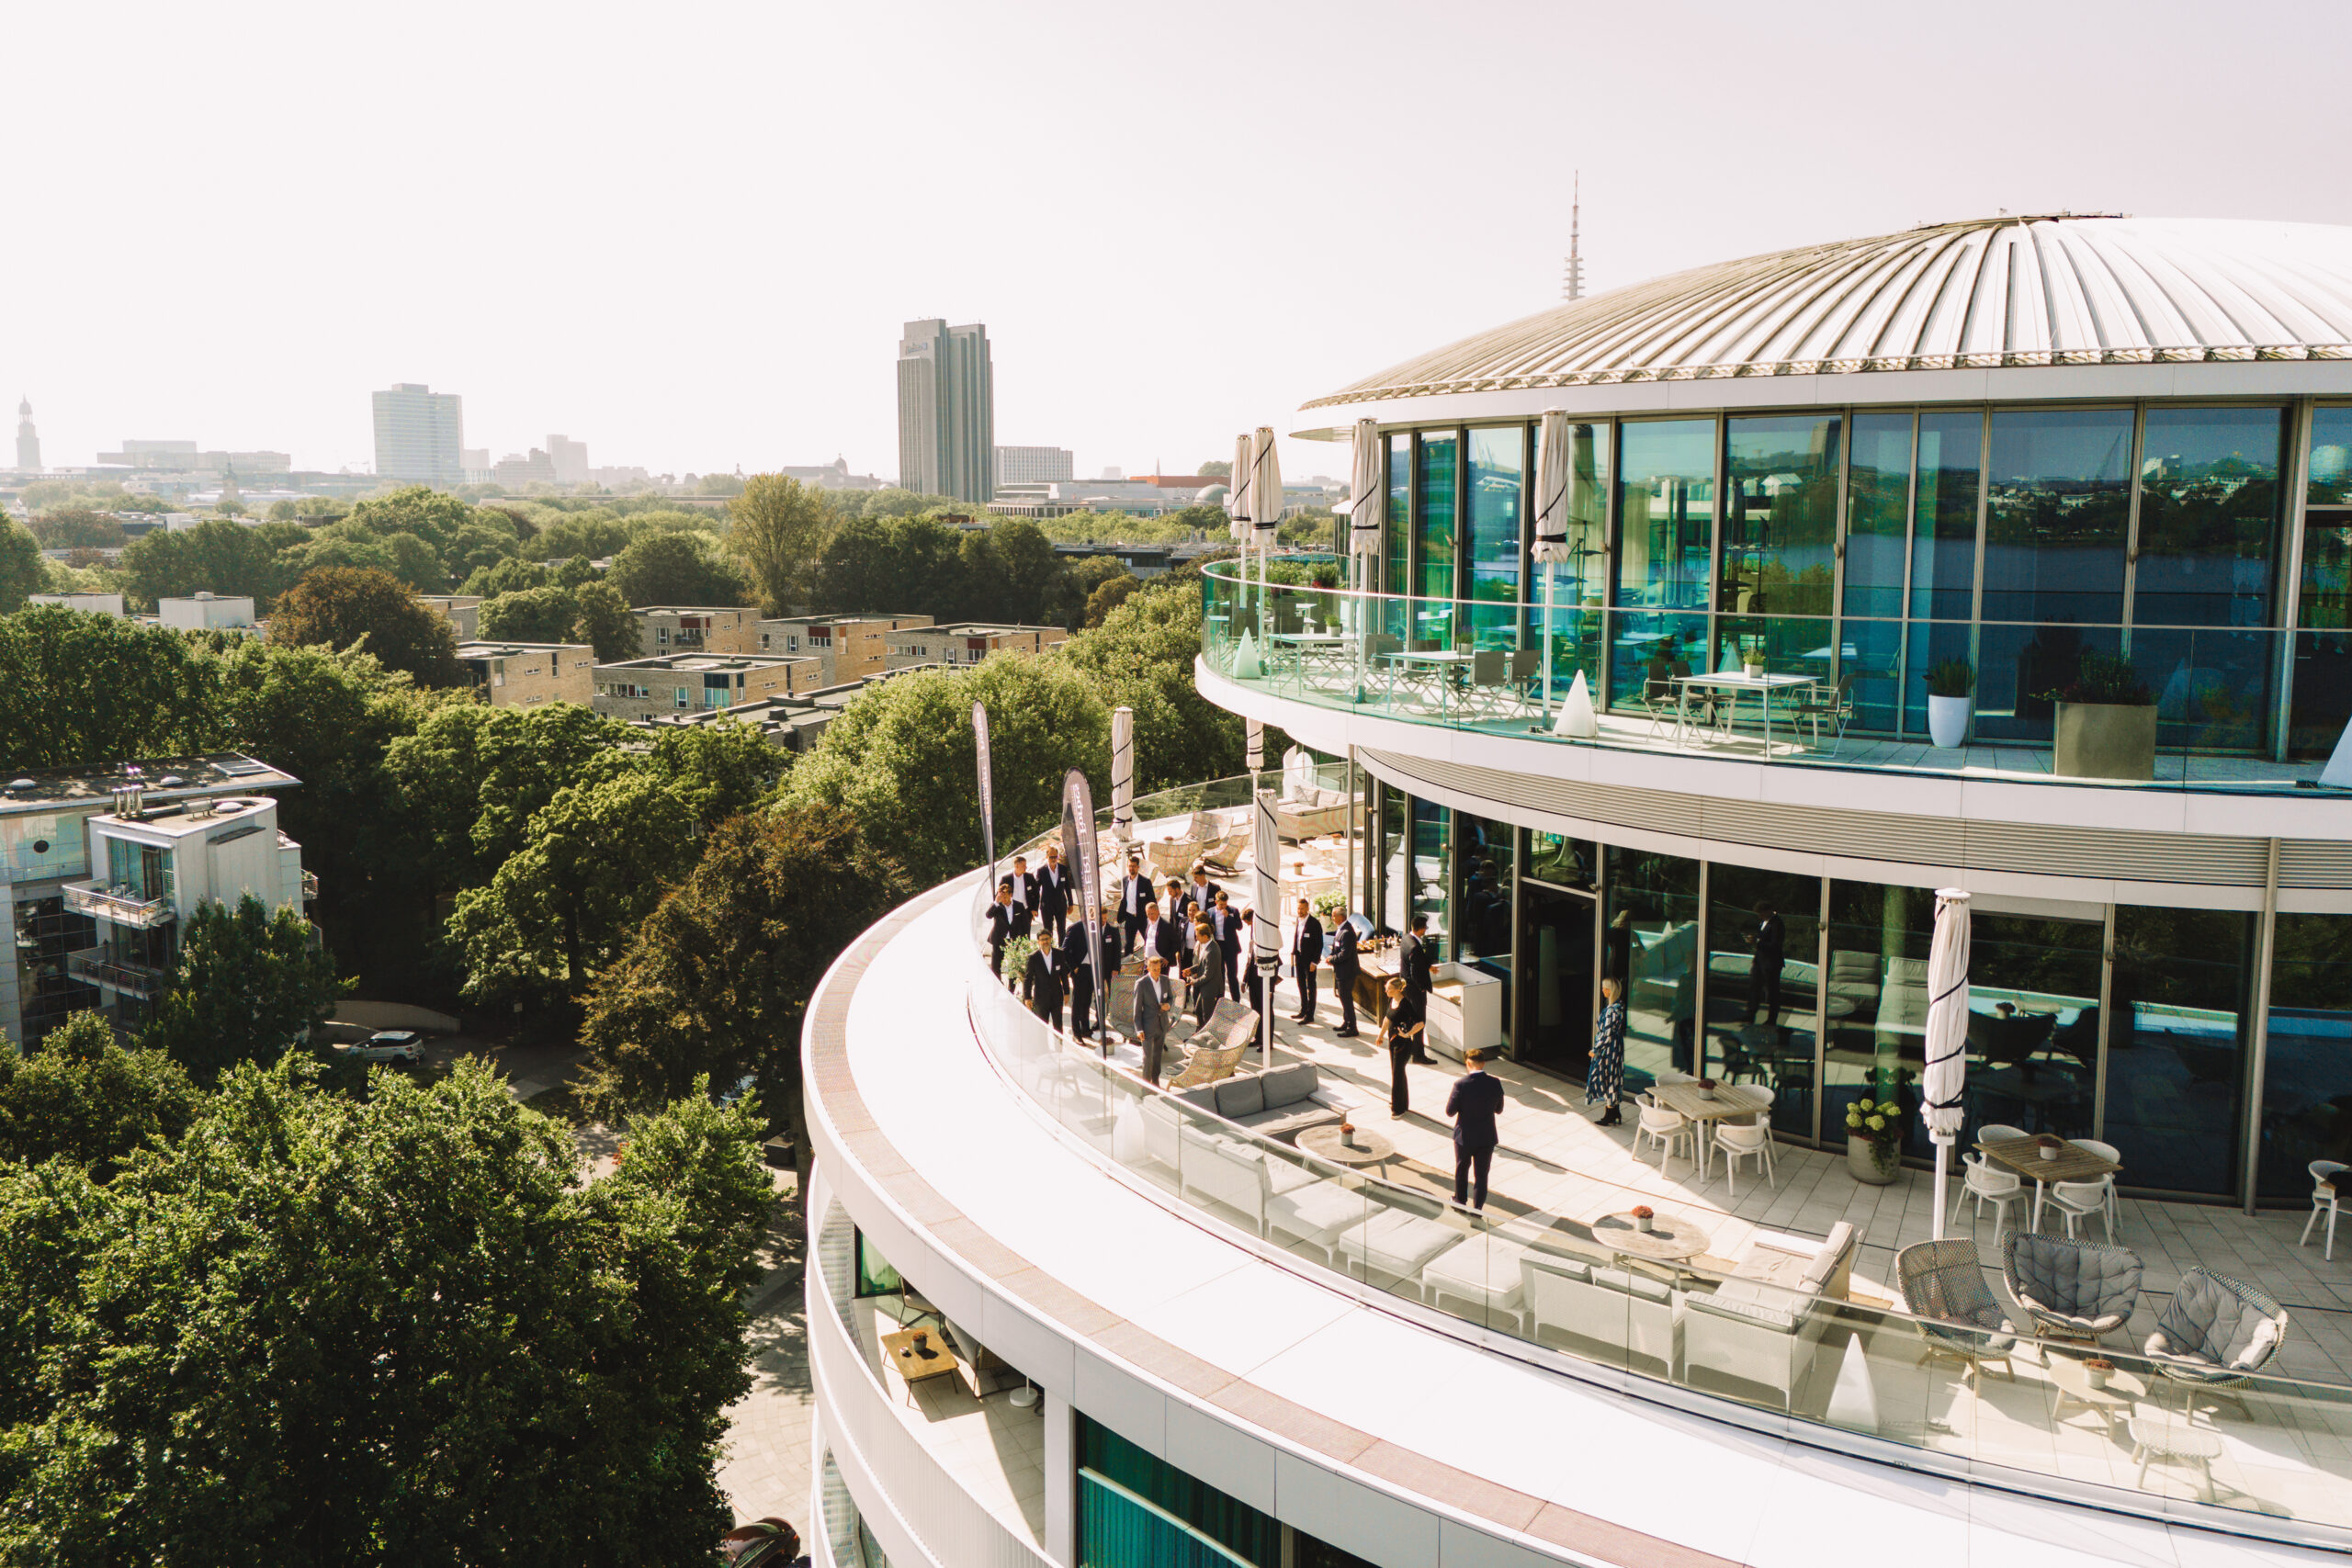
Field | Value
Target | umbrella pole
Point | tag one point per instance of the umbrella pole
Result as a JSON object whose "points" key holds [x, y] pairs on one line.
{"points": [[1549, 578], [1943, 1178]]}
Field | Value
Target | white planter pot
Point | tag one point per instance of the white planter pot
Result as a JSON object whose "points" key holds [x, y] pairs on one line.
{"points": [[1948, 720]]}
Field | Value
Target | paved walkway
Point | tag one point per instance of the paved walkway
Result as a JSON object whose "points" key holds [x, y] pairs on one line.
{"points": [[766, 1466]]}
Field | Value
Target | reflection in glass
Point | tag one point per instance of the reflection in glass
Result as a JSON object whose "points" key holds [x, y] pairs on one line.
{"points": [[1576, 585], [1932, 642], [2331, 475], [1432, 830], [1480, 917], [1650, 943], [2323, 703], [2032, 1025], [1877, 990], [1943, 516], [2213, 685], [1878, 500], [2059, 499], [1764, 984], [2307, 1062], [1873, 656], [2177, 1050], [1497, 481], [1400, 515], [1665, 512], [2209, 516], [1780, 513], [2018, 668], [1649, 651], [1433, 541], [1553, 1027]]}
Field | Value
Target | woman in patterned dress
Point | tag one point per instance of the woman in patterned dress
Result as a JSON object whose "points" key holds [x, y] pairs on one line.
{"points": [[1606, 1076]]}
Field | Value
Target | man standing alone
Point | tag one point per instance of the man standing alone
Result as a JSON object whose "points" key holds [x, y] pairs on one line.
{"points": [[1476, 1101], [1154, 1002], [1770, 940], [1306, 952], [1344, 969]]}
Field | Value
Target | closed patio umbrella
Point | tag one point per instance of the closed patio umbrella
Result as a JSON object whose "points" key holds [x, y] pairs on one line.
{"points": [[1123, 775], [1364, 535], [1551, 469], [1236, 490], [1265, 516], [1246, 665], [1947, 1068], [1264, 930]]}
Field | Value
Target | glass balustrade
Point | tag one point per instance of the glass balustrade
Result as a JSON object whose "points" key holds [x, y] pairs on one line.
{"points": [[2184, 707], [1794, 1338]]}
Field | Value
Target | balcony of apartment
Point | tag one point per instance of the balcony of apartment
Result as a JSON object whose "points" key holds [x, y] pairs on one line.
{"points": [[97, 967], [2214, 712], [120, 903], [1787, 1296]]}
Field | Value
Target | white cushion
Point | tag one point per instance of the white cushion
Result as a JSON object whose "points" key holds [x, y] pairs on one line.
{"points": [[1316, 1212], [1492, 1275], [1396, 1243]]}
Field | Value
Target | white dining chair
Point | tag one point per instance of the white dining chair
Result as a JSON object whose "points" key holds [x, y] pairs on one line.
{"points": [[2323, 1175], [2110, 1153], [1998, 1133], [1745, 1139], [2076, 1200], [1983, 1182], [1668, 1130]]}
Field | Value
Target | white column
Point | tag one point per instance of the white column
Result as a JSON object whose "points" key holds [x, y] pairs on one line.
{"points": [[1061, 1479]]}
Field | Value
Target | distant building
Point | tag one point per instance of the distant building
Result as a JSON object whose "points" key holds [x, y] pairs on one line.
{"points": [[623, 479], [92, 604], [475, 461], [512, 471], [851, 647], [182, 457], [1060, 498], [523, 674], [686, 683], [946, 411], [835, 475], [1033, 465], [793, 723], [697, 628], [420, 435], [463, 611], [206, 612], [570, 459], [969, 642], [28, 438]]}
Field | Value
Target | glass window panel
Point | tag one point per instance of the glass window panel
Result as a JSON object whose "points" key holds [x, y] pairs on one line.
{"points": [[1780, 513], [1877, 501], [1762, 1014], [2177, 1050], [1873, 656], [875, 1275], [2060, 498], [2322, 701], [2213, 686], [1943, 515], [1432, 830], [1650, 650], [1650, 944], [2331, 475], [2209, 517], [1666, 504], [1879, 938], [1433, 540], [2018, 668], [1400, 513], [1244, 1532], [1498, 480], [2032, 1025], [1480, 917], [2307, 1062], [1552, 1028]]}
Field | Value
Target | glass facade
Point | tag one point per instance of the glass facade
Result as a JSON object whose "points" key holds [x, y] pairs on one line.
{"points": [[1764, 984], [1779, 531], [2058, 505], [1878, 500], [1136, 1510], [1493, 511], [2307, 1062], [1650, 946], [1947, 482], [1399, 531], [1665, 512], [1434, 541]]}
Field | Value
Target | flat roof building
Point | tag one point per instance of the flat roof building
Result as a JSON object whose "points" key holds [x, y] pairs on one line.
{"points": [[968, 642], [688, 683], [463, 611], [524, 674], [851, 646], [207, 611], [697, 628], [92, 604]]}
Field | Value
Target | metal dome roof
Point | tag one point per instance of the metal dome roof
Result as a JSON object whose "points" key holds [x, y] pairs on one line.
{"points": [[1979, 295]]}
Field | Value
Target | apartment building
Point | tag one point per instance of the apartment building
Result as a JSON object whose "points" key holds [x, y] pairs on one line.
{"points": [[794, 723], [59, 827], [690, 682], [204, 612], [968, 642], [91, 604], [524, 674], [697, 628], [463, 611], [853, 647]]}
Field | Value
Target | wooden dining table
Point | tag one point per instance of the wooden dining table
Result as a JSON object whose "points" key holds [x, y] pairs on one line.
{"points": [[2023, 1156], [1702, 1109]]}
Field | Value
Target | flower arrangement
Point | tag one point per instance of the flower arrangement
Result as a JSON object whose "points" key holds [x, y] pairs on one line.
{"points": [[1643, 1217], [1707, 1087], [1880, 1120], [2098, 1370], [2106, 679], [1327, 906]]}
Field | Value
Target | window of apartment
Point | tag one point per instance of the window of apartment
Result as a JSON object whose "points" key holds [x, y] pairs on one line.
{"points": [[685, 698], [662, 636]]}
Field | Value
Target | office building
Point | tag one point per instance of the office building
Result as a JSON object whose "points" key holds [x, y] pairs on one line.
{"points": [[182, 457], [463, 611], [420, 435], [568, 459], [686, 683], [1033, 465], [475, 463], [946, 411], [28, 438], [90, 603], [1989, 571], [524, 674]]}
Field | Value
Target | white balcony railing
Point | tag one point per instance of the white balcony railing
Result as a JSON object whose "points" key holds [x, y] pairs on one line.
{"points": [[131, 979], [120, 905]]}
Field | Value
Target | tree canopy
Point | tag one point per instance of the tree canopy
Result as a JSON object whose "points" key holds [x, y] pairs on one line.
{"points": [[251, 987], [676, 568], [779, 527], [81, 1096], [345, 608]]}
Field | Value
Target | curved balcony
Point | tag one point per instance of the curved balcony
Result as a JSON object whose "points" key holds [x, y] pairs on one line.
{"points": [[1793, 691], [1787, 1317]]}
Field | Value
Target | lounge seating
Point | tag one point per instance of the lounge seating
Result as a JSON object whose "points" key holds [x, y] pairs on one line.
{"points": [[2216, 1332], [2073, 1289], [1941, 1281], [1401, 1237], [1762, 1326], [1311, 813], [1616, 1317], [1234, 1174], [1208, 1065], [1276, 1104]]}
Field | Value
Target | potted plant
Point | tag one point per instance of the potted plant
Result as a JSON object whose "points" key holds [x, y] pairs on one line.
{"points": [[1951, 691], [2105, 722], [1644, 1218], [1874, 1141], [1706, 1088], [2097, 1371], [1016, 960]]}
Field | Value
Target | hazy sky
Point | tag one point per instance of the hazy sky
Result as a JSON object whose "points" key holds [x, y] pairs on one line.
{"points": [[687, 234]]}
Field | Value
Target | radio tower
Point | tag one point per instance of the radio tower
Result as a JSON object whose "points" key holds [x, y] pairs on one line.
{"points": [[1572, 286]]}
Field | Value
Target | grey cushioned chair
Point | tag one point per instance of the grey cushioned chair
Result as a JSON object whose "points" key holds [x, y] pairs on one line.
{"points": [[1942, 1280], [2074, 1290], [2216, 1331]]}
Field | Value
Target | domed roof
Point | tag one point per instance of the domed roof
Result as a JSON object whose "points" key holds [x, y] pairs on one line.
{"points": [[1211, 494], [2005, 291]]}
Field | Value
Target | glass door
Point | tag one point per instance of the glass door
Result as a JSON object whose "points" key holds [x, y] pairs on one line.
{"points": [[1553, 1029], [1764, 985]]}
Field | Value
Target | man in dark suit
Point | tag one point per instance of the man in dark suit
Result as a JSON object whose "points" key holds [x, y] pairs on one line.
{"points": [[1770, 941], [1041, 985], [1306, 952], [1053, 892], [1345, 968], [1203, 892], [1177, 904], [1414, 961], [1023, 889], [1161, 938], [1243, 961], [1078, 973], [1000, 927], [1135, 891], [1232, 929], [1476, 1101], [1154, 1004], [1206, 975]]}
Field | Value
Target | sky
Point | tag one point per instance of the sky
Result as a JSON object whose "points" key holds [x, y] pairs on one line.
{"points": [[688, 234]]}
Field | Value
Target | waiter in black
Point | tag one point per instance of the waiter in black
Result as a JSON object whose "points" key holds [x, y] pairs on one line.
{"points": [[1305, 954], [1345, 966], [1414, 961], [1053, 892], [1078, 973], [1476, 1101], [1135, 891], [1770, 940]]}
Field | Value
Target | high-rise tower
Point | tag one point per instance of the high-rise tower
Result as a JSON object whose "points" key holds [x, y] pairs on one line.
{"points": [[947, 410], [28, 438], [420, 435], [1572, 286]]}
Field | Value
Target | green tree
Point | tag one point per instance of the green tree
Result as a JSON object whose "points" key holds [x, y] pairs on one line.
{"points": [[79, 689], [432, 515], [469, 779], [716, 981], [1030, 572], [71, 526], [719, 770], [1108, 594], [215, 557], [513, 575], [901, 759], [606, 624], [79, 1096], [22, 568], [415, 562], [1141, 657], [396, 1329], [533, 615], [251, 986], [779, 529], [676, 568], [593, 863], [343, 608], [593, 536]]}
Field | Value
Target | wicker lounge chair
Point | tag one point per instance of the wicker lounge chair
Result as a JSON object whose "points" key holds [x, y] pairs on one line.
{"points": [[2216, 1332], [1942, 1280], [2074, 1290]]}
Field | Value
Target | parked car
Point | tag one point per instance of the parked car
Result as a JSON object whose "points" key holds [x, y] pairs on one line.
{"points": [[388, 1045]]}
